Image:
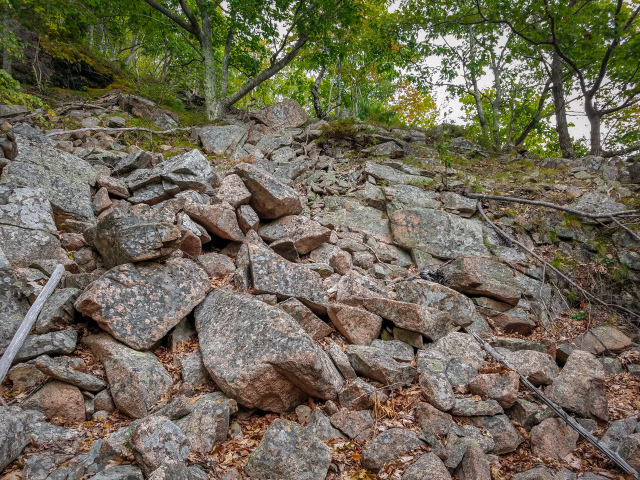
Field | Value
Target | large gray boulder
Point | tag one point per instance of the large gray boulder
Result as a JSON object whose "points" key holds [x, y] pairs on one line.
{"points": [[347, 212], [123, 237], [157, 440], [14, 434], [13, 304], [259, 355], [222, 140], [208, 423], [386, 446], [305, 234], [289, 451], [139, 304], [27, 229], [65, 179], [137, 380], [438, 233], [273, 274], [281, 115], [270, 198]]}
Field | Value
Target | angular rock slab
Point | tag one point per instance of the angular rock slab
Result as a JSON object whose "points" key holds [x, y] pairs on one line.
{"points": [[259, 355], [14, 435], [483, 276], [438, 233], [359, 326], [282, 115], [222, 140], [139, 304], [157, 440], [386, 446], [273, 274], [59, 400], [427, 466], [289, 451], [311, 324], [375, 364], [270, 198], [65, 178], [218, 219], [27, 229], [305, 234], [123, 238], [137, 380], [346, 212], [13, 304], [208, 423]]}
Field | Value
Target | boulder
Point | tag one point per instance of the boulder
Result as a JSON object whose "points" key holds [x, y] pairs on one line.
{"points": [[438, 233], [65, 179], [222, 140], [538, 473], [396, 349], [14, 435], [73, 377], [59, 399], [629, 449], [157, 440], [57, 311], [603, 340], [270, 273], [501, 387], [311, 324], [137, 380], [461, 346], [618, 430], [360, 395], [259, 355], [139, 304], [219, 219], [288, 450], [305, 234], [281, 115], [373, 363], [193, 370], [27, 209], [348, 213], [216, 264], [233, 191], [61, 342], [270, 198], [387, 446], [320, 426], [118, 472], [469, 407], [427, 466], [539, 368], [354, 424], [143, 107], [553, 439], [505, 437], [340, 360], [389, 175], [359, 326], [208, 423], [475, 465], [437, 389], [581, 387], [13, 304], [123, 237], [483, 276], [247, 219], [408, 197]]}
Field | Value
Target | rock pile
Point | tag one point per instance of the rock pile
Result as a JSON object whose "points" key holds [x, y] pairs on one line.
{"points": [[294, 280]]}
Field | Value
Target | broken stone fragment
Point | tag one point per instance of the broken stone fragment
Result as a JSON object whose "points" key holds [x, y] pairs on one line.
{"points": [[219, 219], [260, 356], [305, 234], [359, 326], [233, 191], [139, 304]]}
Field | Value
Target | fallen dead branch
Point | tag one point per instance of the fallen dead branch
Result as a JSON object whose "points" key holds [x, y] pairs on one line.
{"points": [[614, 457], [113, 130], [481, 196], [551, 267]]}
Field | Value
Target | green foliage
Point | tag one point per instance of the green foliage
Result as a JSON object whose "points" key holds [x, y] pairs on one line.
{"points": [[11, 93], [340, 129], [378, 113], [578, 316]]}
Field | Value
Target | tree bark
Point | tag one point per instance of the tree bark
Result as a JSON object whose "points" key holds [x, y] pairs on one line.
{"points": [[317, 105], [211, 100], [594, 121], [224, 74], [497, 102], [562, 127]]}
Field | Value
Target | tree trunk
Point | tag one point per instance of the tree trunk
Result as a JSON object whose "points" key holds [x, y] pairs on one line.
{"points": [[224, 74], [497, 102], [211, 100], [594, 120], [562, 126], [317, 106]]}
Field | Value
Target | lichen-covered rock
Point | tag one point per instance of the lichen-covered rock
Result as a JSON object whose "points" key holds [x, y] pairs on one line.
{"points": [[193, 370], [127, 238], [305, 234], [386, 446], [288, 450], [346, 212], [505, 436], [461, 346], [219, 219], [340, 360], [538, 367], [59, 399], [501, 387], [373, 363], [64, 178], [139, 304], [61, 342], [427, 466], [137, 380], [119, 472], [259, 355], [157, 440], [13, 304], [70, 376], [601, 340], [581, 387], [629, 449], [354, 424], [320, 426], [360, 395], [57, 311], [553, 438], [233, 191], [270, 198], [222, 140], [483, 276], [208, 423], [469, 407], [13, 434], [281, 115], [436, 232], [273, 274], [359, 326], [315, 327]]}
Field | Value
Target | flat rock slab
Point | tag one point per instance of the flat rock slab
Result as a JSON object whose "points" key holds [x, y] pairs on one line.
{"points": [[273, 274], [157, 440], [305, 234], [270, 198], [139, 304], [483, 276], [375, 364], [540, 368], [13, 304], [346, 212], [392, 176], [358, 325], [65, 179], [438, 233], [61, 342], [128, 238], [68, 375], [386, 446], [281, 115], [601, 340], [222, 140], [288, 450], [137, 380], [259, 355], [219, 219], [315, 327]]}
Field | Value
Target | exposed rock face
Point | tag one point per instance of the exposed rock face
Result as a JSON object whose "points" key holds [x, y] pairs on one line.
{"points": [[282, 115], [13, 303], [271, 273], [270, 198], [306, 235], [289, 451], [128, 238], [137, 380], [64, 178], [139, 304], [581, 387], [438, 233], [259, 355], [483, 276]]}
